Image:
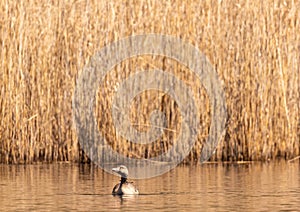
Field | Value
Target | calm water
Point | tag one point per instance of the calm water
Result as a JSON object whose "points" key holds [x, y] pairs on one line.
{"points": [[271, 186]]}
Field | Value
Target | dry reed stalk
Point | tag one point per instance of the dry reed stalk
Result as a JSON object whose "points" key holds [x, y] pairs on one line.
{"points": [[254, 47]]}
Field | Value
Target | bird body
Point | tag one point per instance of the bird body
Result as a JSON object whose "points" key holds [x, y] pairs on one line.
{"points": [[124, 187]]}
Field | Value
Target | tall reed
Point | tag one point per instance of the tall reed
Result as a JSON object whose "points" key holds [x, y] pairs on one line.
{"points": [[253, 45]]}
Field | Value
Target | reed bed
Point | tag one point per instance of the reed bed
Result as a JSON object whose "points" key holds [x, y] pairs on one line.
{"points": [[253, 45]]}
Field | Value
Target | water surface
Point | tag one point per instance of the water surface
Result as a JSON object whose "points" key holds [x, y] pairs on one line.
{"points": [[273, 186]]}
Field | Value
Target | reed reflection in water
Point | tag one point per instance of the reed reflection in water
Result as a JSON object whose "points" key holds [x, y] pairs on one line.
{"points": [[209, 187]]}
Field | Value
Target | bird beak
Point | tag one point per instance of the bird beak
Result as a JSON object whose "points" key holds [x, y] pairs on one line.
{"points": [[115, 169]]}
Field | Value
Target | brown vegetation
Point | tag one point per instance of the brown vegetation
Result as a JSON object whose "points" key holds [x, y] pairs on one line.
{"points": [[254, 46]]}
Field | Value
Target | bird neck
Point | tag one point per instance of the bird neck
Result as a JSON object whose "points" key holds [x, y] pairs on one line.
{"points": [[123, 180]]}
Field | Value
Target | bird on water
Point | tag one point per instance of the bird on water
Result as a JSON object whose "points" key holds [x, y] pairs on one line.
{"points": [[124, 187]]}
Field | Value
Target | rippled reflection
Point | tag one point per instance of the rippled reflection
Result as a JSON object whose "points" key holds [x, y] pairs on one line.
{"points": [[218, 187]]}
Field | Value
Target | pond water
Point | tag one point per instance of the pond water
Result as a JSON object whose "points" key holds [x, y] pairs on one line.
{"points": [[273, 186]]}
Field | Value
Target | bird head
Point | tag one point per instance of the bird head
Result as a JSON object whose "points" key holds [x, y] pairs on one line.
{"points": [[121, 170]]}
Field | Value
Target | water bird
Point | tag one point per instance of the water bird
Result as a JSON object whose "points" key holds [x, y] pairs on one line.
{"points": [[124, 187]]}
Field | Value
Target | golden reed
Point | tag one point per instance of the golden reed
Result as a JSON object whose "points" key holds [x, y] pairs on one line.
{"points": [[253, 45]]}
